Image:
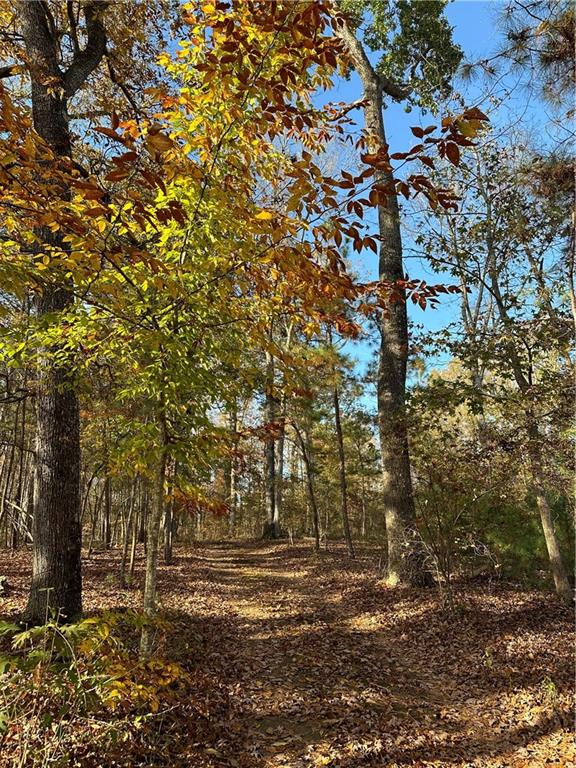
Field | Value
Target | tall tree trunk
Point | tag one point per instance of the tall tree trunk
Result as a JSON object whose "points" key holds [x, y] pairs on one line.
{"points": [[128, 532], [571, 267], [523, 380], [56, 565], [169, 515], [19, 496], [134, 544], [559, 574], [11, 530], [107, 513], [233, 473], [153, 536], [342, 473], [271, 529], [281, 442], [307, 458], [405, 560]]}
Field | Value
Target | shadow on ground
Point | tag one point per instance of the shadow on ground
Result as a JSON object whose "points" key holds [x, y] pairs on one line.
{"points": [[323, 665]]}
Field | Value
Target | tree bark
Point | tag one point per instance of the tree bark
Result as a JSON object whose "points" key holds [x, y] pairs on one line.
{"points": [[56, 566], [557, 567], [523, 382], [107, 513], [271, 530], [405, 560], [129, 531], [233, 473], [281, 442], [306, 457], [342, 474], [153, 536], [169, 515]]}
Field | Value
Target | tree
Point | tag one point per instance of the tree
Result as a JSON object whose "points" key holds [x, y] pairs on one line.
{"points": [[64, 46], [417, 42], [505, 247], [168, 249], [56, 581]]}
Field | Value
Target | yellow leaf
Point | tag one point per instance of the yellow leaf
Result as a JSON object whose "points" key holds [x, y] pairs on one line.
{"points": [[160, 141], [264, 215]]}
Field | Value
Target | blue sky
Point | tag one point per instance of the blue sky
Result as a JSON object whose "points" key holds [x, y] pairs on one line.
{"points": [[477, 30]]}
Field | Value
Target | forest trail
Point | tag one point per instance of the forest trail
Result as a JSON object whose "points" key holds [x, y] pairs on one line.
{"points": [[304, 660], [325, 666], [312, 663]]}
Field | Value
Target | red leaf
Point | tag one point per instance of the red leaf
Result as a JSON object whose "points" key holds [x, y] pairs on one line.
{"points": [[453, 153]]}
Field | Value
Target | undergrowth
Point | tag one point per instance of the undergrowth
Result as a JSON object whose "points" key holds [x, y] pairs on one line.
{"points": [[73, 693]]}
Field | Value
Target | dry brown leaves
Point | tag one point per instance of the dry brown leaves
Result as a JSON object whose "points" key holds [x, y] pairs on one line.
{"points": [[309, 660]]}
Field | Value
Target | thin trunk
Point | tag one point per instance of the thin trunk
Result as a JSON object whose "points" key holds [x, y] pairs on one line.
{"points": [[128, 532], [523, 381], [559, 574], [86, 497], [169, 516], [153, 536], [107, 513], [8, 485], [571, 266], [168, 520], [280, 463], [95, 513], [271, 528], [233, 480], [306, 457], [20, 524], [343, 483], [3, 515], [134, 545], [143, 517]]}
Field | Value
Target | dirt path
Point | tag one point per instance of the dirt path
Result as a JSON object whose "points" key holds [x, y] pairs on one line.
{"points": [[325, 666], [308, 660]]}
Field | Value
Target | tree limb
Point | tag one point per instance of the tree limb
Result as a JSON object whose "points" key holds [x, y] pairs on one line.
{"points": [[86, 61], [9, 71], [364, 67]]}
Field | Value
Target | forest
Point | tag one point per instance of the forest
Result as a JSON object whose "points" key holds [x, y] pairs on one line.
{"points": [[287, 383]]}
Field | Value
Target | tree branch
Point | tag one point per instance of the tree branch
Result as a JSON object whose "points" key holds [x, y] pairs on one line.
{"points": [[86, 61], [364, 67], [9, 71], [73, 27]]}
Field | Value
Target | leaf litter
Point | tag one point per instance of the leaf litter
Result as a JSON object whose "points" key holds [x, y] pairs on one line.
{"points": [[300, 660]]}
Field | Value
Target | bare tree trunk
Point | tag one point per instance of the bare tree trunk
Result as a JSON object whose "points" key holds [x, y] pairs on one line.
{"points": [[169, 516], [281, 442], [561, 583], [19, 496], [405, 558], [271, 529], [305, 449], [107, 512], [233, 479], [7, 491], [129, 532], [153, 535], [95, 518], [571, 266], [134, 545], [523, 380], [343, 483]]}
